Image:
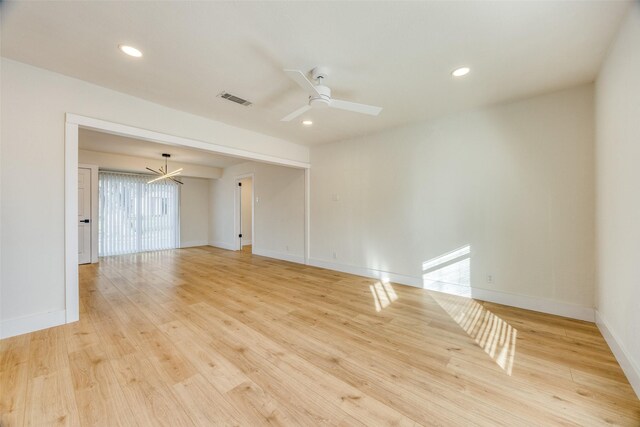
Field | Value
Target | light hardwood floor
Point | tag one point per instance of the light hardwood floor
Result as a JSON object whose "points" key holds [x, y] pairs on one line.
{"points": [[203, 336]]}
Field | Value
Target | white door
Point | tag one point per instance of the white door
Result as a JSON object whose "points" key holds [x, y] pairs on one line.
{"points": [[84, 216]]}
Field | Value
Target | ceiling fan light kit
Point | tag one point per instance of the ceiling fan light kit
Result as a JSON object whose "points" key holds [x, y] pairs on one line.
{"points": [[163, 172], [320, 95]]}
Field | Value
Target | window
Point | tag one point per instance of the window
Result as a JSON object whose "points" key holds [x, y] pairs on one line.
{"points": [[136, 216]]}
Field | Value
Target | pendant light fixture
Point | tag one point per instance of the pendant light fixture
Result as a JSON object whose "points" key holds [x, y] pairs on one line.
{"points": [[163, 172]]}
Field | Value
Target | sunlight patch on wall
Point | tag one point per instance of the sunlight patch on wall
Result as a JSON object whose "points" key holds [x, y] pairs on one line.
{"points": [[449, 256], [451, 268]]}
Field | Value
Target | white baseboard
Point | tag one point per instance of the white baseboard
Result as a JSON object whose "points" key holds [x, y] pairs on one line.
{"points": [[194, 243], [35, 322], [366, 272], [246, 242], [542, 305], [284, 256], [630, 368], [521, 301], [224, 245]]}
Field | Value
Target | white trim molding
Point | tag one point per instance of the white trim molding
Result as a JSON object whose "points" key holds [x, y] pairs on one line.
{"points": [[366, 272], [307, 215], [223, 245], [283, 256], [193, 244], [542, 305], [629, 367], [71, 290], [514, 300], [163, 138], [35, 322]]}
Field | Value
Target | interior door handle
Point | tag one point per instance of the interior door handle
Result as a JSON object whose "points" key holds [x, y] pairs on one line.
{"points": [[86, 221]]}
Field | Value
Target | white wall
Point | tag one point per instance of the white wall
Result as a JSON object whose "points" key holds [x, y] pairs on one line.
{"points": [[278, 216], [194, 212], [1, 314], [515, 182], [618, 197], [247, 213], [122, 162], [34, 103]]}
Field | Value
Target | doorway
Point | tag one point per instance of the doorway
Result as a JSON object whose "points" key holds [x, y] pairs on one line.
{"points": [[73, 123], [245, 213], [87, 213]]}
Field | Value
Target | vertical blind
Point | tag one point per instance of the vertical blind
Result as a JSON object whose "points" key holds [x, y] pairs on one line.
{"points": [[136, 216]]}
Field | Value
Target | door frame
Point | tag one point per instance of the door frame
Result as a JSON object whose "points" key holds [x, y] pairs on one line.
{"points": [[73, 122], [94, 210], [237, 210]]}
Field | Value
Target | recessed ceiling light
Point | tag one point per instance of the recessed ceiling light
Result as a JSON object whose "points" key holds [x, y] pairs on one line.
{"points": [[130, 50], [459, 72], [307, 122]]}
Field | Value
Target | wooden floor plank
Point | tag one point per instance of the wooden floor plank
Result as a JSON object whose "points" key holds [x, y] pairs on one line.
{"points": [[203, 336], [99, 397], [14, 378]]}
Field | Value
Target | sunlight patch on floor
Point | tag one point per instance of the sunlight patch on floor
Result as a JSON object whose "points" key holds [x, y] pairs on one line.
{"points": [[383, 294], [493, 334]]}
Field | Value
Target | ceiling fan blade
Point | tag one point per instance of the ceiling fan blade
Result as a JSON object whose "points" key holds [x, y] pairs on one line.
{"points": [[296, 113], [355, 107], [302, 80]]}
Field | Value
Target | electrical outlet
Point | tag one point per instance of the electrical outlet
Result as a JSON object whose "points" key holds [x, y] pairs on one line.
{"points": [[287, 248], [489, 278], [335, 197], [335, 256], [257, 200]]}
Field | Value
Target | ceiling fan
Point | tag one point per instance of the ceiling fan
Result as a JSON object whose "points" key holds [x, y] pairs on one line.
{"points": [[163, 172], [320, 95]]}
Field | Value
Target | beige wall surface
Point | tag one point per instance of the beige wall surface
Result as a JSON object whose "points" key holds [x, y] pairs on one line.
{"points": [[514, 183], [194, 212], [278, 215], [126, 163], [618, 193]]}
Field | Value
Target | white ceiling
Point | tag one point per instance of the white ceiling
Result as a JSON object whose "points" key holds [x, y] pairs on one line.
{"points": [[397, 55], [107, 143]]}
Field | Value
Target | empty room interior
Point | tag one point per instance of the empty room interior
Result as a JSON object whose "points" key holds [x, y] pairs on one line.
{"points": [[320, 213]]}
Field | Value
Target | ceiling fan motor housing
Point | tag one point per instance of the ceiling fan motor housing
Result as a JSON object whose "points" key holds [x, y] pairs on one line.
{"points": [[323, 99], [320, 95]]}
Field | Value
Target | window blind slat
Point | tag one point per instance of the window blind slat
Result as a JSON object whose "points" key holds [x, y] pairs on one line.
{"points": [[136, 216]]}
